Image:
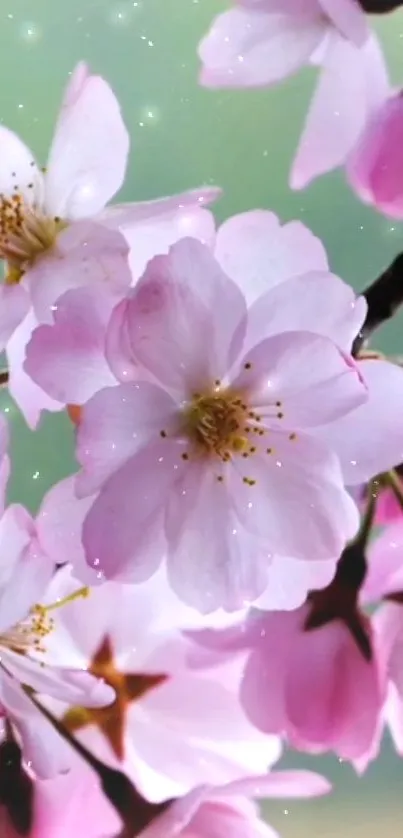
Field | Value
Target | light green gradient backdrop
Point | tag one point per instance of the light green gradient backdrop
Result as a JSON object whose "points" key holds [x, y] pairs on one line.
{"points": [[183, 136]]}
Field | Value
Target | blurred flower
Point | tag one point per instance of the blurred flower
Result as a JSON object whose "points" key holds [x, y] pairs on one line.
{"points": [[176, 721]]}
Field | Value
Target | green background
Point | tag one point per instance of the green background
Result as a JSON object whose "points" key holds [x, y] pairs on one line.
{"points": [[183, 136]]}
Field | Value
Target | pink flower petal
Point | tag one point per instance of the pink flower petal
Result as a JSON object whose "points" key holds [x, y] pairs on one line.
{"points": [[25, 570], [249, 47], [182, 297], [262, 688], [74, 88], [59, 524], [177, 816], [385, 565], [333, 695], [87, 160], [73, 686], [151, 227], [369, 440], [30, 398], [314, 302], [212, 560], [281, 595], [86, 254], [122, 531], [281, 784], [67, 359], [298, 504], [374, 169], [257, 252], [18, 169], [14, 305], [43, 748], [116, 423], [348, 17], [299, 380], [334, 121]]}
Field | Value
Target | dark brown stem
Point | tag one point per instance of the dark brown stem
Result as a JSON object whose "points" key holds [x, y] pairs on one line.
{"points": [[380, 6], [4, 378], [384, 296]]}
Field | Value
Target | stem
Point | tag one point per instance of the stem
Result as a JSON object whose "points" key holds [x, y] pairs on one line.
{"points": [[4, 378], [380, 6], [384, 296]]}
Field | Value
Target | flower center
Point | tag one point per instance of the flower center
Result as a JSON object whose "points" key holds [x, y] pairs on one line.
{"points": [[29, 634], [25, 233], [217, 423]]}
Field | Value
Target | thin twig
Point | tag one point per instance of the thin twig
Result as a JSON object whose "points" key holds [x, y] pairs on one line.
{"points": [[384, 296]]}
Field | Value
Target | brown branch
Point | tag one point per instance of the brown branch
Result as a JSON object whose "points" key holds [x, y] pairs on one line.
{"points": [[384, 296]]}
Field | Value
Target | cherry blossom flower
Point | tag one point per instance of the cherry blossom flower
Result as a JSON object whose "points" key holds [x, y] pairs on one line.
{"points": [[25, 625], [265, 259], [314, 686], [226, 426], [159, 730], [54, 226], [261, 43]]}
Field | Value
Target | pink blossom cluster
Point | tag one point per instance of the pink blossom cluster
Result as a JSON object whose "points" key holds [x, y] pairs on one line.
{"points": [[203, 592]]}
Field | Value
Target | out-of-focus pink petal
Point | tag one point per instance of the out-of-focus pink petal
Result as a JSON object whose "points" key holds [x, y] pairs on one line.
{"points": [[67, 359], [281, 784], [315, 302], [14, 305], [78, 78], [73, 686], [181, 298], [385, 565], [122, 531], [257, 252], [369, 440], [151, 227], [335, 121], [116, 423], [348, 17], [25, 571], [88, 156], [333, 695], [250, 48], [262, 688], [212, 560], [298, 503], [299, 380], [375, 168], [73, 803], [30, 398], [59, 523], [281, 595], [43, 748], [86, 253], [222, 745], [177, 816]]}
